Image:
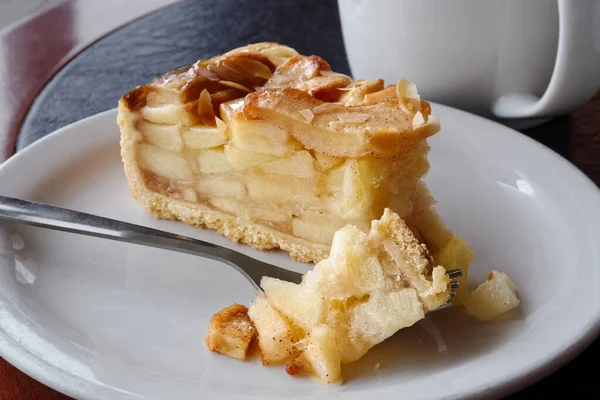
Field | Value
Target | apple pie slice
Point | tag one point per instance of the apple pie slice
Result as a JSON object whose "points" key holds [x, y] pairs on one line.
{"points": [[273, 149]]}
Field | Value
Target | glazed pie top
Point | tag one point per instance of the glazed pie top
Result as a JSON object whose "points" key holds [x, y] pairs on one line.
{"points": [[325, 111]]}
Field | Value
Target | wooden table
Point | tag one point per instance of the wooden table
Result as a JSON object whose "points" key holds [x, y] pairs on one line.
{"points": [[52, 77]]}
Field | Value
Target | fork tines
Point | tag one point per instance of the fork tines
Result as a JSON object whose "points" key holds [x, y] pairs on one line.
{"points": [[452, 274]]}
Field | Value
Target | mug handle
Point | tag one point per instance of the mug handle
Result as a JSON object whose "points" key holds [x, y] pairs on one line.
{"points": [[576, 73]]}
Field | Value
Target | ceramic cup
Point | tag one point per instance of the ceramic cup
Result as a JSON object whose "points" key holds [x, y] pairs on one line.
{"points": [[510, 59]]}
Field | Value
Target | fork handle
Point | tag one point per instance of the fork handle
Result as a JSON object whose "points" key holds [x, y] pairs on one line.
{"points": [[62, 219]]}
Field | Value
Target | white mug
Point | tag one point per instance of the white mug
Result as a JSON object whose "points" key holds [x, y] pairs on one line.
{"points": [[509, 59]]}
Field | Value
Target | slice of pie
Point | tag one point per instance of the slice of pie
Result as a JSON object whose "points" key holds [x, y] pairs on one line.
{"points": [[273, 149]]}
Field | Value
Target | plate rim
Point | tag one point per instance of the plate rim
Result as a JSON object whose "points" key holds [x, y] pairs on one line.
{"points": [[77, 387]]}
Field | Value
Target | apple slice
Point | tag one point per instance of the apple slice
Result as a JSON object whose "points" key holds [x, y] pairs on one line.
{"points": [[213, 160], [494, 297], [355, 187], [276, 336], [384, 314], [336, 129], [252, 212], [164, 136], [167, 164], [221, 186], [352, 271], [298, 302], [298, 165], [283, 190], [321, 355], [316, 229], [262, 137], [204, 137], [243, 159], [172, 114], [325, 162]]}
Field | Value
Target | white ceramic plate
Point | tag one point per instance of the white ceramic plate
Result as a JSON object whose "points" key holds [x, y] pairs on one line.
{"points": [[97, 319]]}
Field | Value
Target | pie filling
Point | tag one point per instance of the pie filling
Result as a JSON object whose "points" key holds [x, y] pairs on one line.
{"points": [[305, 194]]}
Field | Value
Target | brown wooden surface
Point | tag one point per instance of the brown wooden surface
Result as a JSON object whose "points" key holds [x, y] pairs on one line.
{"points": [[33, 51], [584, 134], [15, 385], [26, 64], [29, 64]]}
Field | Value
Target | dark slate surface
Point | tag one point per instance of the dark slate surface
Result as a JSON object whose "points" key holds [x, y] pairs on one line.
{"points": [[180, 35]]}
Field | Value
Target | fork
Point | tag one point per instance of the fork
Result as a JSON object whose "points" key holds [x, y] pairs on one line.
{"points": [[62, 219]]}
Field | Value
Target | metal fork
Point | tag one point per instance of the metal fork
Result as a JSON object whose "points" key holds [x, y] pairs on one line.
{"points": [[62, 219]]}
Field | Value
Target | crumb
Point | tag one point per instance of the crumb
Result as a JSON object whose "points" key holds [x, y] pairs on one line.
{"points": [[377, 366], [292, 369]]}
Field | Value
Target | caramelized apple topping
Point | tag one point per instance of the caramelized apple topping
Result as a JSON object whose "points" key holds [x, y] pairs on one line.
{"points": [[276, 85]]}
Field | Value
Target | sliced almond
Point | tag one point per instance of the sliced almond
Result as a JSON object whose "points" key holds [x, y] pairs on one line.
{"points": [[307, 114], [408, 96], [325, 107], [353, 118], [236, 86]]}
